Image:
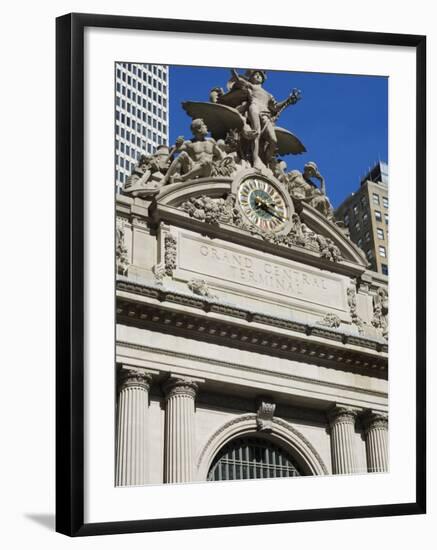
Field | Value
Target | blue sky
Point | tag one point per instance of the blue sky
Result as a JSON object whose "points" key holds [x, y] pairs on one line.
{"points": [[341, 119]]}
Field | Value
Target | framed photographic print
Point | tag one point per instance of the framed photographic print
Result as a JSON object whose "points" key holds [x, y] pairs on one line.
{"points": [[240, 274]]}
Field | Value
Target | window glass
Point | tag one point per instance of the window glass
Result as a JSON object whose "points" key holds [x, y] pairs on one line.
{"points": [[378, 216], [382, 251], [252, 458]]}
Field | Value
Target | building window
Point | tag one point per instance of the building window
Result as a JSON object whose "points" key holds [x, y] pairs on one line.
{"points": [[380, 233], [355, 209], [385, 202], [382, 251], [363, 202], [367, 236], [360, 243], [365, 217], [384, 269], [369, 254], [252, 458], [357, 227], [375, 198], [378, 216], [386, 218]]}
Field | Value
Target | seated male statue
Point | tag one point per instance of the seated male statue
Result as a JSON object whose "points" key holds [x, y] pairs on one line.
{"points": [[197, 156]]}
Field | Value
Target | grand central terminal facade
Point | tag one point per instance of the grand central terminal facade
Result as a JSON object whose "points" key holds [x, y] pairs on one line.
{"points": [[251, 337]]}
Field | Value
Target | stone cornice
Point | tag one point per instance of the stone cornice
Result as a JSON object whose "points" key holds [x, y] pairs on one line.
{"points": [[224, 364], [246, 328]]}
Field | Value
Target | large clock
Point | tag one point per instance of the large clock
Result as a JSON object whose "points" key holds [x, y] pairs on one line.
{"points": [[264, 204]]}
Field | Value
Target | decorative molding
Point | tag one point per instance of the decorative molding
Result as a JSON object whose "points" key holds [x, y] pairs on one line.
{"points": [[330, 320], [200, 287], [129, 377], [209, 304], [352, 302], [251, 418], [341, 414], [264, 414], [159, 272], [121, 250], [180, 386], [375, 420], [225, 364], [169, 262], [237, 420], [170, 253], [289, 427], [380, 311], [253, 336], [225, 211]]}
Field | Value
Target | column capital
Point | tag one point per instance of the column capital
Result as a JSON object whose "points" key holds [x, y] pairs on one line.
{"points": [[132, 377], [342, 413], [180, 385], [373, 420]]}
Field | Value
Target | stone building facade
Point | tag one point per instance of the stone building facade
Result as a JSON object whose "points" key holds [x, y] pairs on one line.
{"points": [[223, 335], [251, 338]]}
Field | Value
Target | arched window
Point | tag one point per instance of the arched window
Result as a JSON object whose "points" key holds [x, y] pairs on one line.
{"points": [[252, 458]]}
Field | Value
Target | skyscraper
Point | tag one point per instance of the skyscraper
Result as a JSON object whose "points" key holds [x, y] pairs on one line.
{"points": [[141, 114], [365, 213]]}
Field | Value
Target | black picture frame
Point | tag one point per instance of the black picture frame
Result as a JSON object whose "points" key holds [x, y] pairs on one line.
{"points": [[70, 273]]}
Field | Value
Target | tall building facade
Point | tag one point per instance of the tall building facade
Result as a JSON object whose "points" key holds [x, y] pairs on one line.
{"points": [[141, 114], [365, 214]]}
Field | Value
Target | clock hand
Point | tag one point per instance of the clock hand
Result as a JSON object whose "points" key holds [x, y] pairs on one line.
{"points": [[275, 211], [268, 208]]}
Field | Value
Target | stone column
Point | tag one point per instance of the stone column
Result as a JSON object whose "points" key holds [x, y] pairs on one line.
{"points": [[133, 405], [342, 422], [179, 430], [376, 430]]}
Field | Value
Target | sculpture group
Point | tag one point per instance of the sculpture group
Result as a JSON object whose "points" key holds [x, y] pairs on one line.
{"points": [[243, 134]]}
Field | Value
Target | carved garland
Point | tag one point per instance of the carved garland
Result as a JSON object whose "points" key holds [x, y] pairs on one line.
{"points": [[168, 265], [121, 251], [352, 302], [216, 211]]}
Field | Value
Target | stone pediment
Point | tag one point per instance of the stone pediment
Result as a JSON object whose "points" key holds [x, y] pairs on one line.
{"points": [[210, 205]]}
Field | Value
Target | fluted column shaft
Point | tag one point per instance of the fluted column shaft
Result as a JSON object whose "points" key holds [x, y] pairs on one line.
{"points": [[342, 422], [376, 430], [179, 430], [133, 405]]}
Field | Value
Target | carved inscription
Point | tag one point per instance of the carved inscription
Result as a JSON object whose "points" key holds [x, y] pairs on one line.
{"points": [[258, 271]]}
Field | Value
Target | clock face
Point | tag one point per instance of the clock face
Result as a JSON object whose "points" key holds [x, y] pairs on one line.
{"points": [[262, 204]]}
